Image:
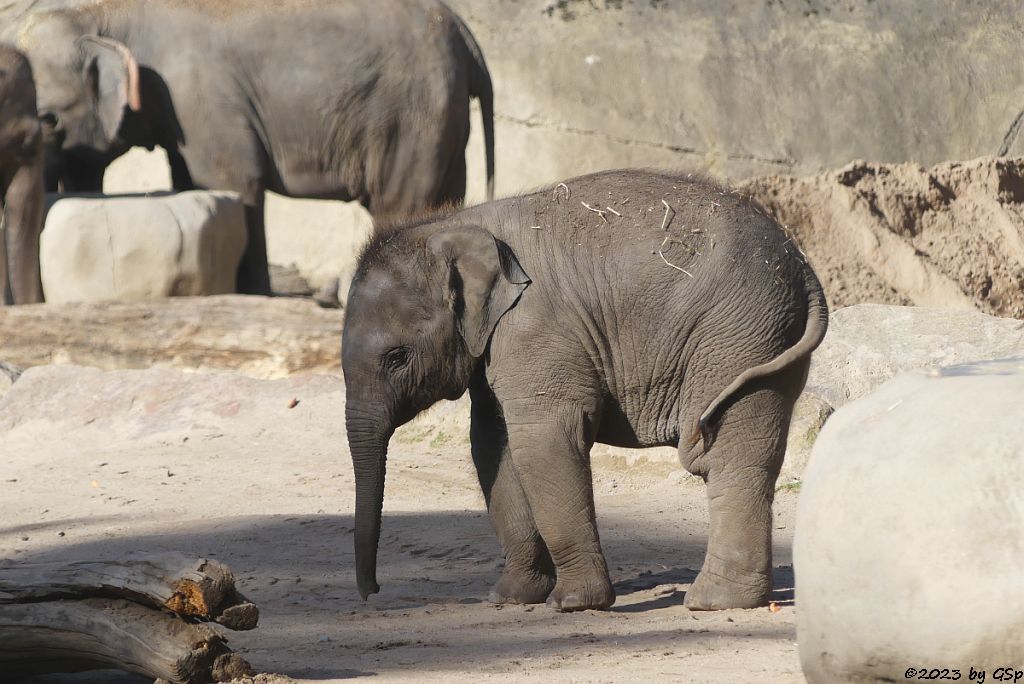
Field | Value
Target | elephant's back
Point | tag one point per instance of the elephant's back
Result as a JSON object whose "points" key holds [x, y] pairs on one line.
{"points": [[643, 232]]}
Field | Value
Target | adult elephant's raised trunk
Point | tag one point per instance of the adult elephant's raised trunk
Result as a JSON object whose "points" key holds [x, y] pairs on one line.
{"points": [[368, 441]]}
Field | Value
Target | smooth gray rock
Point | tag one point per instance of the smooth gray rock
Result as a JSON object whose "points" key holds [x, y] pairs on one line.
{"points": [[910, 529], [139, 247]]}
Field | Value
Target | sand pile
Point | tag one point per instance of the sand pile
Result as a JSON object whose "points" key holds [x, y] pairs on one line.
{"points": [[951, 235]]}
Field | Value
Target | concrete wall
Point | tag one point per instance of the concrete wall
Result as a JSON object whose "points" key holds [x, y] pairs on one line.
{"points": [[747, 87]]}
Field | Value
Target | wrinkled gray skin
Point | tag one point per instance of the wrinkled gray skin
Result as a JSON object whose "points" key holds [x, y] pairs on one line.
{"points": [[362, 100], [21, 182], [569, 328]]}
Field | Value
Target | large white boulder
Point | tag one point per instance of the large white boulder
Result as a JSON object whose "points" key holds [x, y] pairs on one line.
{"points": [[137, 247], [909, 546]]}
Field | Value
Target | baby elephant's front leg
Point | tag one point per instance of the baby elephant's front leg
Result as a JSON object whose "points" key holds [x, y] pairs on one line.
{"points": [[549, 445]]}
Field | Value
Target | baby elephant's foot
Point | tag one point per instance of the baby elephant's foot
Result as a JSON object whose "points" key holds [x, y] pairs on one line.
{"points": [[595, 593], [522, 587], [721, 588]]}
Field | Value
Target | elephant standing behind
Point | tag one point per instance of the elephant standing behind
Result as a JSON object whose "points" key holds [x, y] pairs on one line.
{"points": [[362, 100], [21, 182], [631, 308]]}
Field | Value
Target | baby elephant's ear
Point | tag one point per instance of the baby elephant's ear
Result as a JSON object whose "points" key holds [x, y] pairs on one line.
{"points": [[484, 278]]}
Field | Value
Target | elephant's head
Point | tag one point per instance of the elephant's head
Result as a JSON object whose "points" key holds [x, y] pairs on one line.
{"points": [[420, 314], [86, 84]]}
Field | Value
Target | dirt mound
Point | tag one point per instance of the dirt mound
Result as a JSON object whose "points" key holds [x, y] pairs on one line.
{"points": [[951, 235]]}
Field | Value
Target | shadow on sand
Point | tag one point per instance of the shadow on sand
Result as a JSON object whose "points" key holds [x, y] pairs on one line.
{"points": [[435, 570]]}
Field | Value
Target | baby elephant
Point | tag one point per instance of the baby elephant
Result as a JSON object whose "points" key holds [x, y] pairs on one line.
{"points": [[632, 308]]}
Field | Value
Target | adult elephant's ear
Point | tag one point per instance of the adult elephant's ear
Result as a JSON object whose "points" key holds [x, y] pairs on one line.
{"points": [[112, 80], [484, 280]]}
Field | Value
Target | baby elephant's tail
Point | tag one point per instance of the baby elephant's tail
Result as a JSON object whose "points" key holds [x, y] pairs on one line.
{"points": [[814, 333]]}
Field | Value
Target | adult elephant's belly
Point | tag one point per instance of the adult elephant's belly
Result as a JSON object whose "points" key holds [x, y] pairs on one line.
{"points": [[311, 179], [619, 429]]}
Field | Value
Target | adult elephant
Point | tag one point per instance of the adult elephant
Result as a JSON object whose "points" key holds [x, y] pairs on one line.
{"points": [[21, 182], [362, 100]]}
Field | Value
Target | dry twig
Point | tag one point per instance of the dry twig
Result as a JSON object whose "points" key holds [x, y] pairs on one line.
{"points": [[613, 211], [568, 192], [596, 211], [665, 221], [669, 263]]}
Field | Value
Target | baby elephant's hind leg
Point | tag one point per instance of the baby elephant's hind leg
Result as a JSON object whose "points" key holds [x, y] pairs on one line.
{"points": [[740, 470]]}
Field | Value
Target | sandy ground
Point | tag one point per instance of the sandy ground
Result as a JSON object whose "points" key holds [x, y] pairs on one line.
{"points": [[269, 491]]}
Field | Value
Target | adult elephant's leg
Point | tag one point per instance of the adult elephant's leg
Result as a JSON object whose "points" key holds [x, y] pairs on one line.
{"points": [[453, 185], [529, 573], [254, 269], [550, 446], [181, 178], [228, 157], [5, 292], [740, 469], [83, 174], [24, 218]]}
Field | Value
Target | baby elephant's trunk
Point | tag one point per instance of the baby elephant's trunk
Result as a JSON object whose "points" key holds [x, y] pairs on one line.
{"points": [[368, 444]]}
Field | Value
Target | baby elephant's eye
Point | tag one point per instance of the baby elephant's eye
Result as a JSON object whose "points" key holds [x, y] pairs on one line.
{"points": [[396, 359], [48, 119]]}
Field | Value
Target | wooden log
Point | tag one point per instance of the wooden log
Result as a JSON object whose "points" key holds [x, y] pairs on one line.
{"points": [[71, 636], [196, 588]]}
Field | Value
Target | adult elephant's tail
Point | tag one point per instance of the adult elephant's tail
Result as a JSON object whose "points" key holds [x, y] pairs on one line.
{"points": [[480, 87], [814, 333]]}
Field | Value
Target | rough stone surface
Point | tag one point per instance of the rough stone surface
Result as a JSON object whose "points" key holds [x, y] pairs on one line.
{"points": [[742, 89], [9, 374], [951, 235], [870, 343], [910, 529], [141, 247], [263, 337], [809, 416]]}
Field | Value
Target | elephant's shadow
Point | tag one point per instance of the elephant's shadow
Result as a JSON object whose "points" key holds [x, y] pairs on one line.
{"points": [[438, 567], [782, 595]]}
